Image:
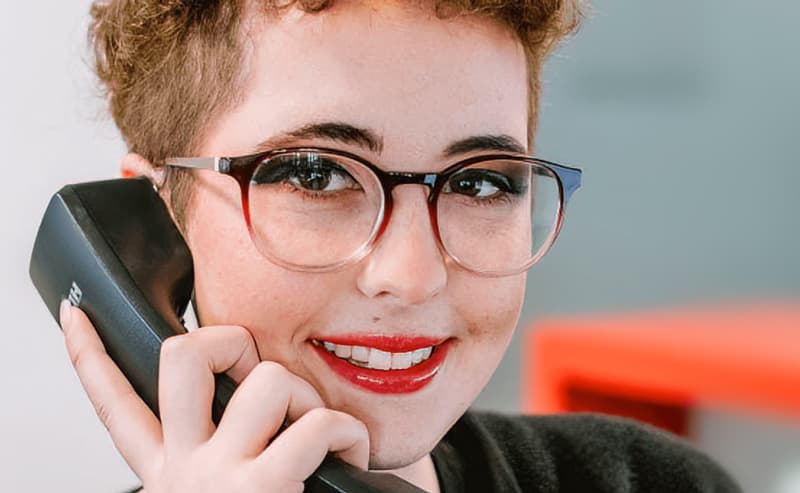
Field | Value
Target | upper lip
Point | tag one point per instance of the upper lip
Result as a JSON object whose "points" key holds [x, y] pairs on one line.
{"points": [[390, 343]]}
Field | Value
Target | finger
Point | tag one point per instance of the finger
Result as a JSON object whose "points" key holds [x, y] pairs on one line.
{"points": [[134, 429], [258, 408], [301, 448], [186, 380]]}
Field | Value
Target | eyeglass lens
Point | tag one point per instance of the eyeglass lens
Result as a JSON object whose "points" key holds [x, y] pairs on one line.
{"points": [[313, 209]]}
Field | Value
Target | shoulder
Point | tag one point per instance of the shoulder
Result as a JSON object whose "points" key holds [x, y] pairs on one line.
{"points": [[587, 452]]}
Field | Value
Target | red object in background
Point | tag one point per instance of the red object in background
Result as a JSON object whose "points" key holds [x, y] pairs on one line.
{"points": [[656, 366]]}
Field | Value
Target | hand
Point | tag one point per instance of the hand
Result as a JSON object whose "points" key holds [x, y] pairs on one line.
{"points": [[184, 452]]}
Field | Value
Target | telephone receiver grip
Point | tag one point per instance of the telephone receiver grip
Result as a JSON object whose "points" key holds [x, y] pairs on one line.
{"points": [[112, 249]]}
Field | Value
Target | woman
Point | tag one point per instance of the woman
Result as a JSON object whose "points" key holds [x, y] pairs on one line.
{"points": [[362, 275]]}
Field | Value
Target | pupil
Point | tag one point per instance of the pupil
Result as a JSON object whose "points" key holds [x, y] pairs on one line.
{"points": [[314, 178], [466, 186]]}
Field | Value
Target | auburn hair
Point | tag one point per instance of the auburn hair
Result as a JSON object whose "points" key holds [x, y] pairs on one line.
{"points": [[170, 66]]}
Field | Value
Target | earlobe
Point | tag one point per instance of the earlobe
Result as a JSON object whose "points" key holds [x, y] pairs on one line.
{"points": [[134, 165]]}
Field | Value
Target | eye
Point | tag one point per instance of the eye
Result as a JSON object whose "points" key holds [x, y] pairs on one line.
{"points": [[478, 183], [306, 171], [322, 178]]}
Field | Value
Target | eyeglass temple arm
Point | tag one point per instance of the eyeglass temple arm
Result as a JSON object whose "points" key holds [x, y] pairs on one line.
{"points": [[220, 164], [570, 179]]}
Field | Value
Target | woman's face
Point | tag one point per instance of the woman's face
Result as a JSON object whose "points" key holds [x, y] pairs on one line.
{"points": [[417, 84]]}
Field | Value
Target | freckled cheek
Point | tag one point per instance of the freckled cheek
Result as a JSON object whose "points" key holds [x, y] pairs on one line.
{"points": [[273, 305], [491, 309], [236, 285]]}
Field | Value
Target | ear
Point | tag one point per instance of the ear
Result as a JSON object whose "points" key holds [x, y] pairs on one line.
{"points": [[134, 165]]}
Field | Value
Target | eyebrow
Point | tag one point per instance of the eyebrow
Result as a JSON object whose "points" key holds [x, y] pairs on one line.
{"points": [[368, 139], [336, 131], [504, 143]]}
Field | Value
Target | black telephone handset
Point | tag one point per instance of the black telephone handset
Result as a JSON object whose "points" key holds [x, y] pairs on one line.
{"points": [[112, 249]]}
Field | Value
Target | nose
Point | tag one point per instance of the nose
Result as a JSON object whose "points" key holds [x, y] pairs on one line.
{"points": [[406, 264]]}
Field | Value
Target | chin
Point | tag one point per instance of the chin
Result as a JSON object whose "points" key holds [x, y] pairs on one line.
{"points": [[390, 451], [399, 437], [403, 432]]}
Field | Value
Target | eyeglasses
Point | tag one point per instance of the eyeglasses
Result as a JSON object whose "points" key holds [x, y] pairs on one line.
{"points": [[317, 209]]}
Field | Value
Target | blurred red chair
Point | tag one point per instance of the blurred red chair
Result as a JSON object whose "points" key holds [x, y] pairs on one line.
{"points": [[655, 367]]}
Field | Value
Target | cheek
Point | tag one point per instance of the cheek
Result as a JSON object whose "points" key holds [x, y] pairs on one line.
{"points": [[490, 307], [236, 285]]}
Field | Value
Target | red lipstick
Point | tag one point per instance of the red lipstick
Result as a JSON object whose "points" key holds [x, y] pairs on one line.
{"points": [[387, 381]]}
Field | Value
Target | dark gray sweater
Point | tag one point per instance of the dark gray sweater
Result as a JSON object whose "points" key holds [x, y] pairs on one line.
{"points": [[573, 453]]}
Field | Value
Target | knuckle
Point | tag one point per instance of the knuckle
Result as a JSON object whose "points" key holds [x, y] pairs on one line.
{"points": [[175, 348], [77, 356], [82, 359], [271, 371], [234, 332], [323, 420], [320, 417], [359, 425], [77, 352], [104, 408], [104, 412]]}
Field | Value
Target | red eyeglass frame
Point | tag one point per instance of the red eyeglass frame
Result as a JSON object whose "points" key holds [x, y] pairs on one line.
{"points": [[242, 169]]}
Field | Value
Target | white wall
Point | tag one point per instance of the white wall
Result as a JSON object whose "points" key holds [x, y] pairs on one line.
{"points": [[51, 132], [646, 96]]}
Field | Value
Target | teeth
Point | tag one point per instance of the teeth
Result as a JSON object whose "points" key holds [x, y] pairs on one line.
{"points": [[379, 360], [342, 351], [375, 358], [401, 361], [360, 353]]}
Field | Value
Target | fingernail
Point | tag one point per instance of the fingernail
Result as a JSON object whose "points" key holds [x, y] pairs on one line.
{"points": [[64, 312]]}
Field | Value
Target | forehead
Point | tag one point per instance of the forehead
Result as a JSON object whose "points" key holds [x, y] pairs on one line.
{"points": [[416, 81]]}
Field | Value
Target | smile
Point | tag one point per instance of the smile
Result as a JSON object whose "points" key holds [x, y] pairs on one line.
{"points": [[374, 358], [384, 364]]}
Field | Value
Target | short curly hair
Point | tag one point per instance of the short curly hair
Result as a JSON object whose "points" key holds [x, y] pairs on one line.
{"points": [[170, 65]]}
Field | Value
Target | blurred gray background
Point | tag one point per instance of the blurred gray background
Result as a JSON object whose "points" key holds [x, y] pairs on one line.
{"points": [[683, 115]]}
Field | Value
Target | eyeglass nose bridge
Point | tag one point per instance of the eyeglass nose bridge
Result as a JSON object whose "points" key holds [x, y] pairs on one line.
{"points": [[393, 179]]}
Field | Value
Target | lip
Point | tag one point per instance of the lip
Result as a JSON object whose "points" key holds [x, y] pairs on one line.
{"points": [[387, 381]]}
